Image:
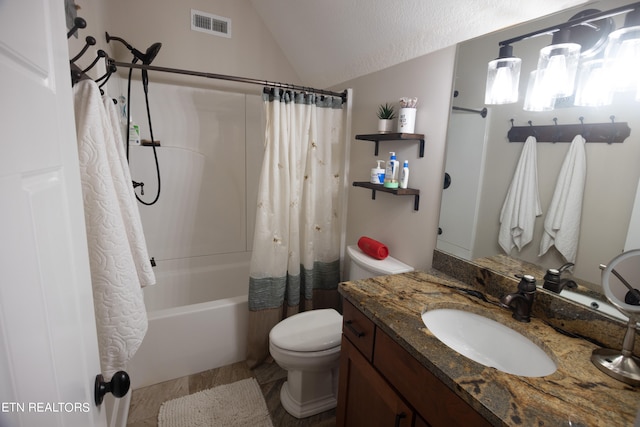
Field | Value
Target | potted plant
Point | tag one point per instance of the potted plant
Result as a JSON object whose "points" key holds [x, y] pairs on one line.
{"points": [[386, 114]]}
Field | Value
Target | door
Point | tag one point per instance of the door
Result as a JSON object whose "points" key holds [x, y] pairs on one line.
{"points": [[459, 206], [48, 346]]}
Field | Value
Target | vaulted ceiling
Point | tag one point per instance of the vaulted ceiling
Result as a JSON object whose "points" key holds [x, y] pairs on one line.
{"points": [[332, 41]]}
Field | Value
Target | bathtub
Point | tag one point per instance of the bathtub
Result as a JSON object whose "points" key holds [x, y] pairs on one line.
{"points": [[197, 315]]}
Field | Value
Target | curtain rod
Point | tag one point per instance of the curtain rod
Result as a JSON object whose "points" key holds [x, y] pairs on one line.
{"points": [[482, 112], [111, 62]]}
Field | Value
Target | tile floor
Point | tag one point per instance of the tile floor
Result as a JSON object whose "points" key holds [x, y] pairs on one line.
{"points": [[146, 402]]}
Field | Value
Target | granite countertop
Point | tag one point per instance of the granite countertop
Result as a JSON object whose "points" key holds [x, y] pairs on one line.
{"points": [[577, 394]]}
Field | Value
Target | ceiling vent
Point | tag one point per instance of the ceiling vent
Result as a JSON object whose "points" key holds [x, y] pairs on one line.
{"points": [[210, 24]]}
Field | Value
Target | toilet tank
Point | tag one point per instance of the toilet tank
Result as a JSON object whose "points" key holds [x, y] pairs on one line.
{"points": [[359, 265]]}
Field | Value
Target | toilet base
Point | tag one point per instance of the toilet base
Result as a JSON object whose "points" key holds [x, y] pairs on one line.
{"points": [[309, 408]]}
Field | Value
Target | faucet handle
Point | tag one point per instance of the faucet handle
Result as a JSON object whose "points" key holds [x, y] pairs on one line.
{"points": [[565, 266], [527, 283]]}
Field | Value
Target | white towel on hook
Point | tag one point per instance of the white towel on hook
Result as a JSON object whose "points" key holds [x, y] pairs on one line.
{"points": [[522, 204], [121, 318], [127, 197], [562, 224]]}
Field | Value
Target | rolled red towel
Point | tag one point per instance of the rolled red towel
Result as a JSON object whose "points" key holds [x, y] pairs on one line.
{"points": [[373, 248]]}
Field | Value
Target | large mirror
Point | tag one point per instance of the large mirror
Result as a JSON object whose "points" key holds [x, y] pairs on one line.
{"points": [[482, 161]]}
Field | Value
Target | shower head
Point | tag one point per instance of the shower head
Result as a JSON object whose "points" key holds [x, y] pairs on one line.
{"points": [[151, 53], [147, 57]]}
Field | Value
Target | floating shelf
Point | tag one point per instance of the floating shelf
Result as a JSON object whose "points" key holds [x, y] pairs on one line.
{"points": [[377, 137], [397, 191]]}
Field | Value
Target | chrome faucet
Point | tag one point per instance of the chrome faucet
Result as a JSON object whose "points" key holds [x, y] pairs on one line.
{"points": [[520, 302], [554, 283]]}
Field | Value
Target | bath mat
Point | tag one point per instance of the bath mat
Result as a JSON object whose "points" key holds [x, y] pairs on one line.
{"points": [[236, 404]]}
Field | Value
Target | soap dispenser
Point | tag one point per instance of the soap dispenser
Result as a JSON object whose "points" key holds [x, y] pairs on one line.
{"points": [[391, 173], [404, 175], [377, 173]]}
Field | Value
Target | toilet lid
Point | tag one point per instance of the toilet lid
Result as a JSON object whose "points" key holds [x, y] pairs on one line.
{"points": [[313, 330]]}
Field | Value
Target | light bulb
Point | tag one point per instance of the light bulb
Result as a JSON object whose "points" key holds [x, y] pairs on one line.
{"points": [[623, 58], [503, 77], [559, 63]]}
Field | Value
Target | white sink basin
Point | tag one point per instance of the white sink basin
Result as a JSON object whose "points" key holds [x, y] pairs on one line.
{"points": [[488, 342]]}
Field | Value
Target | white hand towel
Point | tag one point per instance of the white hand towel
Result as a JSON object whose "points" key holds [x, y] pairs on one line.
{"points": [[562, 224], [522, 204], [121, 318], [126, 197]]}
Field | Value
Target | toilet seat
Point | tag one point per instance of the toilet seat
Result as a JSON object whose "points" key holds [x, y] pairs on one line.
{"points": [[309, 331]]}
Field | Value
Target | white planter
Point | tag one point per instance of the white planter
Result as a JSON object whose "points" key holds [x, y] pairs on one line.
{"points": [[385, 125]]}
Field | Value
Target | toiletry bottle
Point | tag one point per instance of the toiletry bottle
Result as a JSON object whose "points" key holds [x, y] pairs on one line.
{"points": [[391, 173], [404, 176], [134, 133], [377, 174]]}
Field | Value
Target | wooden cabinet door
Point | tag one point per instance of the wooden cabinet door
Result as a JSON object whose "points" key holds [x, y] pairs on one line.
{"points": [[364, 397]]}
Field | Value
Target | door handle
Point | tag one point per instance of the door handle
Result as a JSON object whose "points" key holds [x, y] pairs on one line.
{"points": [[349, 325], [118, 386]]}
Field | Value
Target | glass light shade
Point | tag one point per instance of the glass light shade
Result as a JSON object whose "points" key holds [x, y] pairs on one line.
{"points": [[503, 78], [623, 58], [559, 62], [594, 88], [537, 98]]}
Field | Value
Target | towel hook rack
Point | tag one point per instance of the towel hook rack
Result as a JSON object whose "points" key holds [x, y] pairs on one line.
{"points": [[89, 41], [78, 22], [609, 132], [533, 130], [585, 133], [556, 131]]}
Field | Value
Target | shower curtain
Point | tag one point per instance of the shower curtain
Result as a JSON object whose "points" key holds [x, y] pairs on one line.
{"points": [[295, 264]]}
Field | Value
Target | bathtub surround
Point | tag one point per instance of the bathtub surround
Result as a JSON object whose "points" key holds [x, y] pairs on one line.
{"points": [[118, 255], [295, 263], [201, 229]]}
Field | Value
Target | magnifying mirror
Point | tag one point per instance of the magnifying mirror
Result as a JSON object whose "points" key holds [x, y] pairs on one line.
{"points": [[621, 285]]}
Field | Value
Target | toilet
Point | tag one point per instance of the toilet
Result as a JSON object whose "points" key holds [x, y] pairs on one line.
{"points": [[307, 344]]}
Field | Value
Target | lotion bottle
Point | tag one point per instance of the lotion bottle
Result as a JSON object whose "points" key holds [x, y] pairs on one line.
{"points": [[391, 173], [377, 174], [404, 176], [134, 133]]}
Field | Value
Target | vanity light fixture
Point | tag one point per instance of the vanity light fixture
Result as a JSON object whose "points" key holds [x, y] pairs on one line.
{"points": [[558, 65], [537, 97], [594, 86], [622, 55], [583, 38], [503, 78]]}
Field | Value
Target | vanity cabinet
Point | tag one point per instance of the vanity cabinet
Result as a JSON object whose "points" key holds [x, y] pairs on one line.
{"points": [[380, 383]]}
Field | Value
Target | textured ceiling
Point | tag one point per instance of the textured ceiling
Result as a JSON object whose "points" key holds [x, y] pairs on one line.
{"points": [[331, 41]]}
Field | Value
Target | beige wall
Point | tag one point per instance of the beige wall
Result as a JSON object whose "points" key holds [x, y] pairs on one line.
{"points": [[410, 235], [250, 52], [612, 170]]}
